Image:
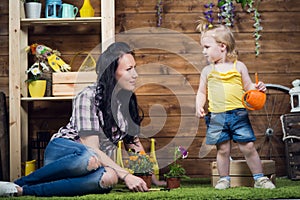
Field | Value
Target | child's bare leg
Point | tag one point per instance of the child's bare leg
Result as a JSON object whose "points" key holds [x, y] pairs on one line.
{"points": [[255, 166], [251, 156], [223, 160]]}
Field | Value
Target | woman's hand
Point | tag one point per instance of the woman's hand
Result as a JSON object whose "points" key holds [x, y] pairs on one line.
{"points": [[135, 183]]}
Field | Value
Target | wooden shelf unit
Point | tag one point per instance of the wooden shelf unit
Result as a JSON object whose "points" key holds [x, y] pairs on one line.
{"points": [[18, 98], [47, 98], [60, 21]]}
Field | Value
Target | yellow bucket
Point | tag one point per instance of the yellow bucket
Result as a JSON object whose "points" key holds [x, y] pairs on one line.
{"points": [[29, 167]]}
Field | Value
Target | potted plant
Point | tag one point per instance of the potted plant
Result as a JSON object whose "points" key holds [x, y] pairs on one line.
{"points": [[176, 171], [33, 8], [140, 164], [47, 60], [36, 81]]}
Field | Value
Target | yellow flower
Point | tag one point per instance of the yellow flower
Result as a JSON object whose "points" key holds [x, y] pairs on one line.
{"points": [[139, 163], [133, 158]]}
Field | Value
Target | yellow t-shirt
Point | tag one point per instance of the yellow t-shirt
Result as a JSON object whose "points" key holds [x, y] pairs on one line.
{"points": [[225, 90]]}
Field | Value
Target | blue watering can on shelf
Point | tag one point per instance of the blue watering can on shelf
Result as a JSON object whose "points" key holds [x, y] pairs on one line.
{"points": [[53, 8]]}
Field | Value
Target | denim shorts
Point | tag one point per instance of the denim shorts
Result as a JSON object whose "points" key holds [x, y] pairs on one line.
{"points": [[230, 125]]}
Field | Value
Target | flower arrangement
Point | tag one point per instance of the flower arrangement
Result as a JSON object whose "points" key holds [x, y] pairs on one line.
{"points": [[176, 170], [139, 163], [36, 70], [209, 13], [226, 16], [46, 60]]}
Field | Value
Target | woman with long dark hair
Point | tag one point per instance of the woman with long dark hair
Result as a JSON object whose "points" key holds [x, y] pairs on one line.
{"points": [[77, 159]]}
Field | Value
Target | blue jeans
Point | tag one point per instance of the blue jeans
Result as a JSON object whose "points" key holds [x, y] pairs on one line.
{"points": [[230, 125], [64, 173]]}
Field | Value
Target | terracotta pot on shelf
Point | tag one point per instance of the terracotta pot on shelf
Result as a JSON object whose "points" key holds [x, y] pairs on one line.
{"points": [[173, 182], [147, 178]]}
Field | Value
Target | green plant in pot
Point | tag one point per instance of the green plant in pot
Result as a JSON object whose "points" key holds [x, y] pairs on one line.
{"points": [[36, 81], [176, 171]]}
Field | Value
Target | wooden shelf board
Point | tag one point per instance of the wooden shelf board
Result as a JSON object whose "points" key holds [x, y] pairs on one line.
{"points": [[47, 98], [59, 21]]}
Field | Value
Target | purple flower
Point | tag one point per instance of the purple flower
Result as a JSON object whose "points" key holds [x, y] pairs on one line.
{"points": [[183, 152], [209, 13], [159, 12], [209, 5]]}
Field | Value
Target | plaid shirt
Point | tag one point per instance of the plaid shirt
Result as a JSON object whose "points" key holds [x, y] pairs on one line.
{"points": [[84, 121]]}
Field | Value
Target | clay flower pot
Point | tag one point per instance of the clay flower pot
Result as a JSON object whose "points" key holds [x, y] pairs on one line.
{"points": [[147, 178], [173, 182]]}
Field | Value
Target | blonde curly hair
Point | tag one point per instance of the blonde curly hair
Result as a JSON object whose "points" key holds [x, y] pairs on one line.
{"points": [[221, 33]]}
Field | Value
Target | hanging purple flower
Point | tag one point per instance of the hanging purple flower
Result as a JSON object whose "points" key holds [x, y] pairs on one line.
{"points": [[183, 152], [209, 5], [226, 16], [209, 13], [159, 11]]}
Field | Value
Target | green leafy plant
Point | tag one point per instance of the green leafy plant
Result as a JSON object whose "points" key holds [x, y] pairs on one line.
{"points": [[139, 163], [176, 169]]}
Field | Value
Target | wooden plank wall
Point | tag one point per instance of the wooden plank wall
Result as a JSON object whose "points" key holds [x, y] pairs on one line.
{"points": [[169, 64], [170, 61]]}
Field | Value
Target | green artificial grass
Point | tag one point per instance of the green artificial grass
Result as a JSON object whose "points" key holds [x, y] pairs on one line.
{"points": [[195, 189]]}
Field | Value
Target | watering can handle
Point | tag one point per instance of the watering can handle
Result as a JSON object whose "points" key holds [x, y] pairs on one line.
{"points": [[256, 78]]}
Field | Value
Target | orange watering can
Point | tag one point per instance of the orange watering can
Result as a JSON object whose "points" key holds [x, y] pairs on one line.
{"points": [[254, 99]]}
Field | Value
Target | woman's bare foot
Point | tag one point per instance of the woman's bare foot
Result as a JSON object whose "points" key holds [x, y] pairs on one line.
{"points": [[20, 191]]}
